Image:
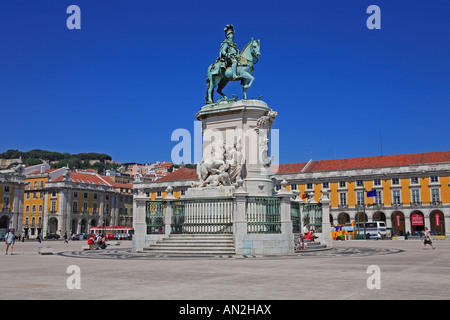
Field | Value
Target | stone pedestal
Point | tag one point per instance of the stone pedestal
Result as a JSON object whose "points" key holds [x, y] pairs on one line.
{"points": [[325, 237], [243, 124], [139, 224]]}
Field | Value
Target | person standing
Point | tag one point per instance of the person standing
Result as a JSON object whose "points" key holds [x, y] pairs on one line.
{"points": [[427, 239], [10, 239], [65, 238]]}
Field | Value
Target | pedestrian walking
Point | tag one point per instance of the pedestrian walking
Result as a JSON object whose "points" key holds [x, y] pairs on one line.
{"points": [[10, 239], [65, 238], [427, 239]]}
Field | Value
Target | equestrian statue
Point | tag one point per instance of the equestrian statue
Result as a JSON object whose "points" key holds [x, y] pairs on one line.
{"points": [[232, 65]]}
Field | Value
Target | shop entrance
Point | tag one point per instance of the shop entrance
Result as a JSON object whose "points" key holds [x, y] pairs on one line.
{"points": [[417, 223]]}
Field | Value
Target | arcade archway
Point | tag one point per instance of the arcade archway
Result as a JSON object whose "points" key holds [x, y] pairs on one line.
{"points": [[52, 225], [398, 223], [343, 218], [417, 222], [437, 222]]}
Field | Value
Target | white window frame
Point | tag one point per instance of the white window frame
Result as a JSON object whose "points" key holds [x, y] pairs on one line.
{"points": [[415, 196], [394, 197], [343, 198]]}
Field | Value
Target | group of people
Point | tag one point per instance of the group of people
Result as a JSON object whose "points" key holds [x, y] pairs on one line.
{"points": [[307, 234], [99, 240]]}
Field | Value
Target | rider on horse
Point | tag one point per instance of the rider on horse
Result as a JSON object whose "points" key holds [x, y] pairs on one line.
{"points": [[229, 53]]}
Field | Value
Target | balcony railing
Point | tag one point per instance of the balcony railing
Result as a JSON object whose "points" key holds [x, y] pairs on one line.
{"points": [[416, 204]]}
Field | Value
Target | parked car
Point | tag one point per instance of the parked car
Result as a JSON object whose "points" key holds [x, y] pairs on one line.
{"points": [[52, 236], [80, 236]]}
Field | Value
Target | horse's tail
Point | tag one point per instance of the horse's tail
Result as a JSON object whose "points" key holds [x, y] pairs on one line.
{"points": [[208, 83]]}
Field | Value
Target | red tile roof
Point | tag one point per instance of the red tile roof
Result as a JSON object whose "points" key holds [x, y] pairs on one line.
{"points": [[87, 178], [288, 168], [117, 184], [380, 161], [180, 174]]}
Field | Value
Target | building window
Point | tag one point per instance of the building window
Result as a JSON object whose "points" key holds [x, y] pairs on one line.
{"points": [[94, 208], [85, 207], [396, 181], [85, 195], [359, 183], [379, 198], [53, 208], [158, 193], [6, 202], [40, 208], [293, 187], [27, 209], [309, 186], [42, 184], [415, 196], [6, 189], [435, 196], [414, 180], [75, 194], [33, 208], [396, 197], [35, 185], [325, 185], [377, 182], [359, 198], [342, 199], [28, 196], [75, 207], [27, 221], [434, 179], [342, 184], [183, 192]]}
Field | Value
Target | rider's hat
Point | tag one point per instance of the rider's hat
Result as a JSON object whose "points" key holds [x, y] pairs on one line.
{"points": [[229, 28]]}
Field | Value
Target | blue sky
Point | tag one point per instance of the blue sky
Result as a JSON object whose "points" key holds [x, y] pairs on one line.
{"points": [[136, 71]]}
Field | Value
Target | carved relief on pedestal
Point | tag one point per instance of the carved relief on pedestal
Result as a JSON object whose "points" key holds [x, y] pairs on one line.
{"points": [[263, 126], [223, 167]]}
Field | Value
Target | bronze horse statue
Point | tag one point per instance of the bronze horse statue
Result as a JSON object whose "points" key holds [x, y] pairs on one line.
{"points": [[217, 77]]}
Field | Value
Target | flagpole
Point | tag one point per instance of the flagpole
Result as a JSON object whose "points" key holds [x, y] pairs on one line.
{"points": [[364, 210]]}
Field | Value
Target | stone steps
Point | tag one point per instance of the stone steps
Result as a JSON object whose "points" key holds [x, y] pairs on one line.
{"points": [[312, 246], [194, 244]]}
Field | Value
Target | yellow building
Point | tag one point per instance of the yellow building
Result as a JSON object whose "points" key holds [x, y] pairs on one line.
{"points": [[412, 190], [58, 201]]}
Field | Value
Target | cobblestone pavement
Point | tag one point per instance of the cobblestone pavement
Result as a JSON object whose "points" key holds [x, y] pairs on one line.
{"points": [[405, 272]]}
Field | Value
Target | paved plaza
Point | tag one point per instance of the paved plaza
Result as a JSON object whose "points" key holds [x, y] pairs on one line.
{"points": [[406, 272]]}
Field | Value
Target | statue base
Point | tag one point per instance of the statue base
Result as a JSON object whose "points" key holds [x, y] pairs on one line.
{"points": [[246, 123]]}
